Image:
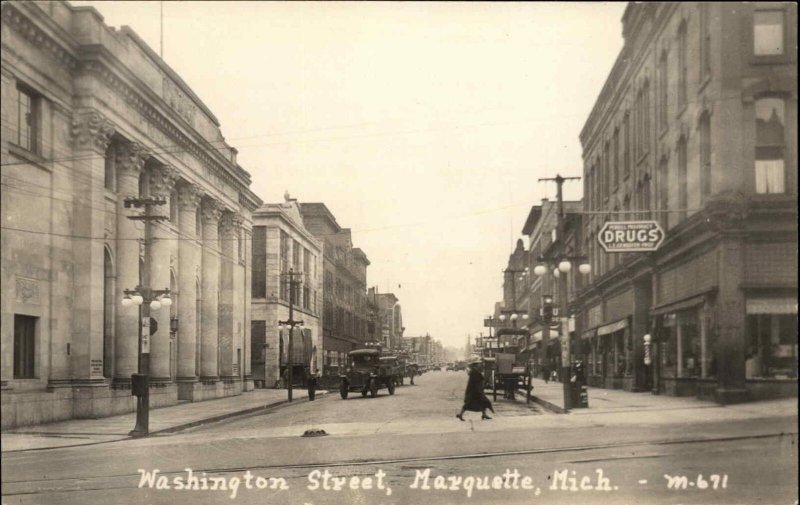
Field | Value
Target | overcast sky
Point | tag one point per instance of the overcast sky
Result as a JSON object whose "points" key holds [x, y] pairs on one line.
{"points": [[423, 127]]}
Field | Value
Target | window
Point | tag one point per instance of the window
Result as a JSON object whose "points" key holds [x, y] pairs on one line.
{"points": [[770, 145], [626, 138], [296, 250], [663, 92], [705, 40], [27, 120], [24, 346], [607, 171], [705, 155], [646, 112], [683, 49], [259, 269], [768, 33], [663, 189], [771, 342], [615, 172], [683, 189]]}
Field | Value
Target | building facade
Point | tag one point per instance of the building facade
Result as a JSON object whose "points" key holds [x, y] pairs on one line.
{"points": [[390, 317], [696, 127], [92, 117], [282, 244], [344, 310]]}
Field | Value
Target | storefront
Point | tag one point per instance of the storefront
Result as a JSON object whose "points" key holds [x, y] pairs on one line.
{"points": [[771, 346]]}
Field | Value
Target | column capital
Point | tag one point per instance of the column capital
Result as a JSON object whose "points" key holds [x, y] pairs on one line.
{"points": [[212, 210], [91, 130], [230, 221], [131, 157], [162, 180], [189, 195]]}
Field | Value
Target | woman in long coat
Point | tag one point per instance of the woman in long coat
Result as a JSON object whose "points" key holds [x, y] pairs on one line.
{"points": [[474, 398]]}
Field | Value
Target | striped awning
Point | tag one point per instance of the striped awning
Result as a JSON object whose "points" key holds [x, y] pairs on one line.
{"points": [[771, 306]]}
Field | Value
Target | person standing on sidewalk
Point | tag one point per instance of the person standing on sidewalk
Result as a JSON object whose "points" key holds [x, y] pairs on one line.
{"points": [[312, 386]]}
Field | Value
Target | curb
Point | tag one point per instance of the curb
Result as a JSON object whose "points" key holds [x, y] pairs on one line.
{"points": [[552, 407], [173, 429], [227, 415]]}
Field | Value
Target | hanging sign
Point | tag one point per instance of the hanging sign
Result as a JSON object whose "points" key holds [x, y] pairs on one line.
{"points": [[630, 236]]}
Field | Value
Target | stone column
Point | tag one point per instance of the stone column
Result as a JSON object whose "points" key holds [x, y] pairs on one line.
{"points": [[228, 251], [246, 348], [210, 284], [161, 181], [91, 134], [130, 163], [188, 264]]}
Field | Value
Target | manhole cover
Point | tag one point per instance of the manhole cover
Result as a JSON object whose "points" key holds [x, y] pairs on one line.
{"points": [[314, 433]]}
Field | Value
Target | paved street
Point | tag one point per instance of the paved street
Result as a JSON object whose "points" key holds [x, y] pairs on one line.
{"points": [[398, 436]]}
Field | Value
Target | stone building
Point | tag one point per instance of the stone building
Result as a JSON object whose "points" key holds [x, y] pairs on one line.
{"points": [[281, 243], [91, 117], [390, 319], [344, 287], [696, 127]]}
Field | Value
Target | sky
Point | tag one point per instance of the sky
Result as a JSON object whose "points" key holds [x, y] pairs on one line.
{"points": [[422, 126]]}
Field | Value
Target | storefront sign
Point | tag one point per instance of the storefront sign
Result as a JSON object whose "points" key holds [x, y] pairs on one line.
{"points": [[630, 236]]}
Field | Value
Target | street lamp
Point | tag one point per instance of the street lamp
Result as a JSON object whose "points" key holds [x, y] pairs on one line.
{"points": [[290, 324]]}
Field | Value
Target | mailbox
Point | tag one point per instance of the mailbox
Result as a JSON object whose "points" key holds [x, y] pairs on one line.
{"points": [[139, 384]]}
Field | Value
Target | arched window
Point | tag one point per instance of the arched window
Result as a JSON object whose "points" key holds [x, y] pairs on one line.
{"points": [[770, 145]]}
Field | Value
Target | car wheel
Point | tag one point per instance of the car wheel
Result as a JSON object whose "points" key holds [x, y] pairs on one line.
{"points": [[373, 388], [391, 387]]}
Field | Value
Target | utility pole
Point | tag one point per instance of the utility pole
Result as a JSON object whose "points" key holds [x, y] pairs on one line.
{"points": [[291, 323], [562, 292], [146, 298]]}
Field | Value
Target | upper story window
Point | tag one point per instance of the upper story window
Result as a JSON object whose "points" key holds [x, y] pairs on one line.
{"points": [[626, 138], [27, 120], [770, 145], [683, 57], [663, 91], [705, 155], [683, 179], [705, 40], [768, 33], [615, 170]]}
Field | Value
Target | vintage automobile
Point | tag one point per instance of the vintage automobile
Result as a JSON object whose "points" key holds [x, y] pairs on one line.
{"points": [[394, 367], [365, 373]]}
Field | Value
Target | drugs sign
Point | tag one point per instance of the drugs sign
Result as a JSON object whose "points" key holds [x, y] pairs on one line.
{"points": [[630, 236]]}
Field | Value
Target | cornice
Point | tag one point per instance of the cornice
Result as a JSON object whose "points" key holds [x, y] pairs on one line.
{"points": [[21, 22]]}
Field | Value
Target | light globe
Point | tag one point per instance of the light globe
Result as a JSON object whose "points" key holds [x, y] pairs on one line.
{"points": [[565, 266], [155, 305], [585, 268], [540, 270]]}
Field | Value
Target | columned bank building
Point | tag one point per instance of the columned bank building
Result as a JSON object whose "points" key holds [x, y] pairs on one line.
{"points": [[91, 116]]}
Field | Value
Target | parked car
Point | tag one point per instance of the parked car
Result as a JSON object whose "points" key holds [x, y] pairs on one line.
{"points": [[365, 373]]}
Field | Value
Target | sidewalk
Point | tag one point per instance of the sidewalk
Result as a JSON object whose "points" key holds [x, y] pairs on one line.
{"points": [[164, 420], [607, 401]]}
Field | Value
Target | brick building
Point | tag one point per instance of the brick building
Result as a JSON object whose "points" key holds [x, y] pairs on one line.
{"points": [[390, 319], [344, 309], [92, 116], [281, 243], [696, 126]]}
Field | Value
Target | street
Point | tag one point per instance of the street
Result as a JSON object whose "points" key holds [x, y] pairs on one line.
{"points": [[409, 448]]}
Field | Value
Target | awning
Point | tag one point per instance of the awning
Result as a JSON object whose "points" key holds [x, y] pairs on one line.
{"points": [[537, 336], [589, 333], [771, 306], [678, 306], [611, 328]]}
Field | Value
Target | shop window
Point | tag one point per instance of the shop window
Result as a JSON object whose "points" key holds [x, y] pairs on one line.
{"points": [[768, 33], [689, 344], [24, 346], [770, 145], [669, 346], [771, 346]]}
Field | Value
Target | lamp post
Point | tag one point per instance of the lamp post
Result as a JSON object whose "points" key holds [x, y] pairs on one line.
{"points": [[564, 265], [146, 299], [290, 324]]}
